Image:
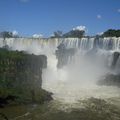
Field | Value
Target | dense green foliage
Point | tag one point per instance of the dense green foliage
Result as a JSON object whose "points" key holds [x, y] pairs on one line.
{"points": [[111, 33], [21, 76]]}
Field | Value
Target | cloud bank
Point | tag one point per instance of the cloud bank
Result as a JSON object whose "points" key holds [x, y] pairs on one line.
{"points": [[37, 36], [80, 28]]}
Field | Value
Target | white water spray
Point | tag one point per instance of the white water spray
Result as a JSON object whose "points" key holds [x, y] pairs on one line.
{"points": [[76, 80]]}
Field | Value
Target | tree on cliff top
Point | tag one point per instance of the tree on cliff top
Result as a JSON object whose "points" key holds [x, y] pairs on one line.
{"points": [[75, 34], [57, 34], [6, 34]]}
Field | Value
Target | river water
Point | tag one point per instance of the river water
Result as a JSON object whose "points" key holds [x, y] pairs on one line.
{"points": [[76, 95]]}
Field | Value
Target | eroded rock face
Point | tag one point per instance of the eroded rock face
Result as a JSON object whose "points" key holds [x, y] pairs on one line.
{"points": [[112, 79], [64, 55], [115, 59], [21, 76]]}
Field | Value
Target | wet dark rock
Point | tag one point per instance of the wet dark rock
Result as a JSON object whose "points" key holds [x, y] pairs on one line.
{"points": [[115, 59], [112, 79], [6, 100], [3, 116], [3, 102], [61, 46], [64, 55]]}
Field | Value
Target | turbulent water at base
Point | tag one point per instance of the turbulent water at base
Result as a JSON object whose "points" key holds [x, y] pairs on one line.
{"points": [[77, 80]]}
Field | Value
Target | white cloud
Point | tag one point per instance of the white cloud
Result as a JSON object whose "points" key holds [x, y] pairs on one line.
{"points": [[52, 35], [15, 33], [119, 10], [100, 33], [80, 28], [99, 16], [37, 36], [24, 1]]}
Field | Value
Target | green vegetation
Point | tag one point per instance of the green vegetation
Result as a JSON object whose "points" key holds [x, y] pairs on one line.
{"points": [[111, 33], [20, 77]]}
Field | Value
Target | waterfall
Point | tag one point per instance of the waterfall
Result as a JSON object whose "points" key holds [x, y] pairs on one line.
{"points": [[111, 43], [36, 46], [77, 79]]}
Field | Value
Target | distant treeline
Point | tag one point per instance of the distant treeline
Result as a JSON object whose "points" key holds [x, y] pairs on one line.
{"points": [[7, 34], [71, 34], [81, 33], [111, 33]]}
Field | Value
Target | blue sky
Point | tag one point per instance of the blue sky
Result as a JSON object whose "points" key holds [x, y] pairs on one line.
{"points": [[46, 16]]}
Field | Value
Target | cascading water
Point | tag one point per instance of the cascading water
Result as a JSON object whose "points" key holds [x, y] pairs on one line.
{"points": [[77, 79]]}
